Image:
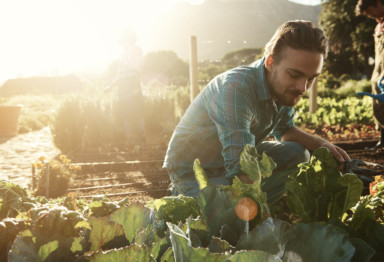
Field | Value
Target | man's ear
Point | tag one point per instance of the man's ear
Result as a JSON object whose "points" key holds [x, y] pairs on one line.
{"points": [[269, 63]]}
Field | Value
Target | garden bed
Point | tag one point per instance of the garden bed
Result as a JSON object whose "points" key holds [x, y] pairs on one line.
{"points": [[138, 172]]}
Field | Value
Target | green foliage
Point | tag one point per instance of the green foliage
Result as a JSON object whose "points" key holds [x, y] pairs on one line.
{"points": [[205, 228], [242, 57], [332, 111], [83, 121], [181, 100], [316, 242], [254, 166], [13, 199], [175, 209], [163, 65], [55, 174], [319, 192], [350, 38], [36, 113]]}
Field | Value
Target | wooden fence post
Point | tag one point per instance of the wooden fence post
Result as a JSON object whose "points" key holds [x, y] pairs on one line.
{"points": [[47, 184], [193, 68], [313, 98]]}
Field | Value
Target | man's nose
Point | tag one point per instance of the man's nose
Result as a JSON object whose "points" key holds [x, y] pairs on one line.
{"points": [[302, 85]]}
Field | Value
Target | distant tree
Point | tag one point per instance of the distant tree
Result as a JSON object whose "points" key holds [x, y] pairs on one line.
{"points": [[350, 38], [164, 65], [242, 57]]}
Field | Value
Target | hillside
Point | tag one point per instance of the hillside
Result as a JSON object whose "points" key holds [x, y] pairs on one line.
{"points": [[222, 26]]}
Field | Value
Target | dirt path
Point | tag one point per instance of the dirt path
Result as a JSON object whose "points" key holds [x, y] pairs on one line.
{"points": [[17, 154]]}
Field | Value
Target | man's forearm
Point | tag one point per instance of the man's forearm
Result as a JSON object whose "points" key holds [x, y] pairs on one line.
{"points": [[313, 142], [305, 139]]}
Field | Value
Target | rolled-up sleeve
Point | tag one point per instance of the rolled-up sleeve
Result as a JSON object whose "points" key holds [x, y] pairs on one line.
{"points": [[231, 112]]}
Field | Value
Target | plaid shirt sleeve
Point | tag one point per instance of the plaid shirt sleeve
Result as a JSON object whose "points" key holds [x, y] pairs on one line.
{"points": [[286, 122], [230, 109]]}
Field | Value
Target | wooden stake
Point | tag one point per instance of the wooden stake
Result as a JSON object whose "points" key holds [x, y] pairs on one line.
{"points": [[47, 169], [313, 98], [193, 68]]}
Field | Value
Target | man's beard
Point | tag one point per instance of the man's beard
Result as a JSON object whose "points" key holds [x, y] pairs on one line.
{"points": [[290, 96]]}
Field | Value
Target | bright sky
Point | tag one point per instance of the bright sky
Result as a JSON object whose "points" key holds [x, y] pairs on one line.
{"points": [[307, 2], [50, 37]]}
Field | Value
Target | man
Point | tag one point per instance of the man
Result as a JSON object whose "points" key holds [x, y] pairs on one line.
{"points": [[375, 9], [246, 104]]}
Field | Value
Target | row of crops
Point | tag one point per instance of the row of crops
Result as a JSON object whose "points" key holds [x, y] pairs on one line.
{"points": [[323, 217]]}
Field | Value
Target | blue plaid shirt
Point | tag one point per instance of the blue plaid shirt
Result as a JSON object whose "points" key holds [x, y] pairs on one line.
{"points": [[234, 109]]}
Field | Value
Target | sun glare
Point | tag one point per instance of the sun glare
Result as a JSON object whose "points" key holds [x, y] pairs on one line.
{"points": [[48, 37]]}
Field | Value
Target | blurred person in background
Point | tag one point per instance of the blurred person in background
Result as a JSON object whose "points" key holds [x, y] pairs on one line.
{"points": [[375, 9], [245, 105], [130, 100]]}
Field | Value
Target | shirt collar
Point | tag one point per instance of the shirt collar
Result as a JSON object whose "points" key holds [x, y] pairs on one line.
{"points": [[262, 89]]}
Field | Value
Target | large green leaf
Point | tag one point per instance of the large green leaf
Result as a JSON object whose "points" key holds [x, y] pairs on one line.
{"points": [[34, 246], [159, 247], [364, 223], [103, 231], [13, 199], [217, 245], [101, 208], [200, 175], [352, 187], [271, 237], [132, 253], [251, 165], [183, 250], [168, 256], [133, 219], [175, 209], [364, 252], [197, 231], [253, 255], [217, 207], [9, 228], [55, 219], [317, 243]]}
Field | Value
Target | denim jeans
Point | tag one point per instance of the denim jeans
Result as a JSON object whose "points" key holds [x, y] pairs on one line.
{"points": [[286, 155]]}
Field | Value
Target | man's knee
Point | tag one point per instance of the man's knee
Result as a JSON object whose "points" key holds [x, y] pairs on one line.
{"points": [[285, 154], [185, 185], [300, 154]]}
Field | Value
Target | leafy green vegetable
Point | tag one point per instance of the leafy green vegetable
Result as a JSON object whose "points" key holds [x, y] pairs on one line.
{"points": [[55, 219], [183, 250], [32, 245], [13, 199], [132, 253], [271, 236], [175, 209], [200, 175], [103, 231], [253, 167], [133, 219], [319, 191], [253, 255], [364, 224], [316, 243]]}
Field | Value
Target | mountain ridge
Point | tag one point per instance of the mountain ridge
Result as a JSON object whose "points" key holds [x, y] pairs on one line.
{"points": [[222, 26]]}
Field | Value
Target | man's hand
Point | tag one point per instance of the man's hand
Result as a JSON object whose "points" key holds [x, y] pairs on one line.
{"points": [[338, 152], [245, 179], [313, 142]]}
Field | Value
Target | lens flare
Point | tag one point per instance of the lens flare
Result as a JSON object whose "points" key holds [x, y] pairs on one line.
{"points": [[246, 209]]}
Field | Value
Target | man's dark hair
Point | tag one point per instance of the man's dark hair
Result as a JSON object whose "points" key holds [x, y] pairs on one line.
{"points": [[362, 6], [297, 34]]}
